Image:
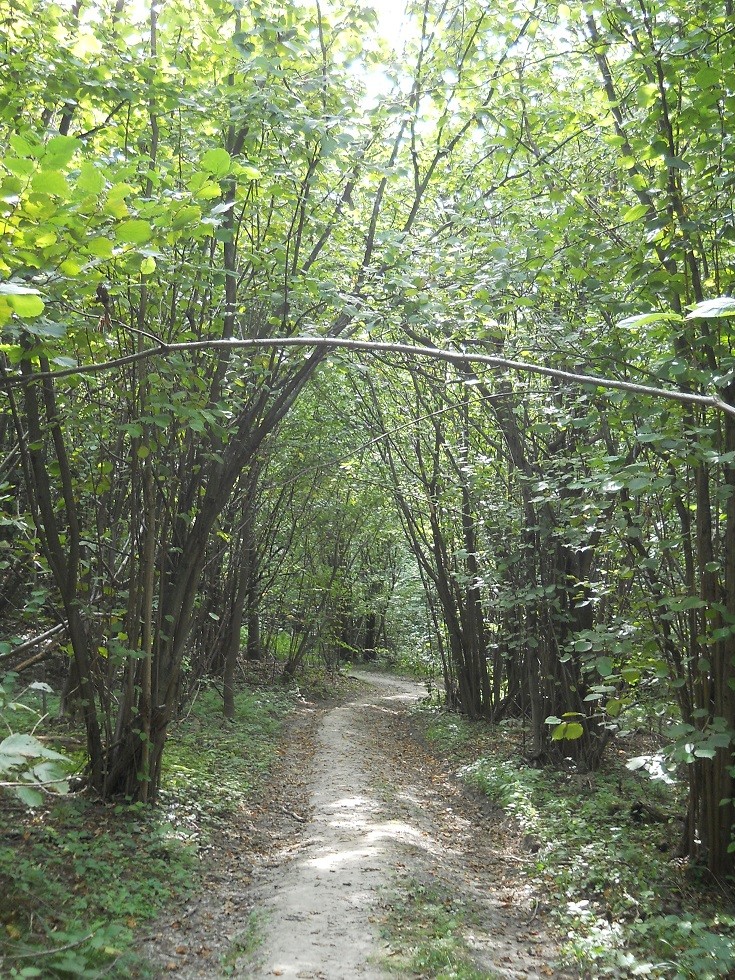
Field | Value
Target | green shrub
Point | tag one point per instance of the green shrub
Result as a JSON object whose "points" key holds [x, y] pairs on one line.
{"points": [[603, 866], [80, 878]]}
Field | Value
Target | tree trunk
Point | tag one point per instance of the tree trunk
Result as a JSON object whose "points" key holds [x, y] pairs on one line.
{"points": [[232, 649]]}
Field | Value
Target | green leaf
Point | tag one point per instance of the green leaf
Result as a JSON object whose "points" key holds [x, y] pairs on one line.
{"points": [[680, 729], [635, 213], [722, 306], [133, 232], [644, 318], [102, 248], [209, 191], [27, 746], [250, 172], [688, 602], [47, 328], [22, 147], [574, 730], [613, 707], [216, 162], [189, 214], [51, 182], [52, 773], [10, 189], [71, 267], [646, 95], [45, 239], [59, 150], [568, 730], [26, 305], [90, 179], [243, 43], [604, 666], [707, 77], [148, 265], [31, 797], [19, 166]]}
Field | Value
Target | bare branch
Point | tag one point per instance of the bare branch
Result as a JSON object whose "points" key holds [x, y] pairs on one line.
{"points": [[379, 347]]}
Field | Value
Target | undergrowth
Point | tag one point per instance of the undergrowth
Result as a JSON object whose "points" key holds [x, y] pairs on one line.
{"points": [[602, 857], [424, 926], [211, 764], [79, 879], [245, 943]]}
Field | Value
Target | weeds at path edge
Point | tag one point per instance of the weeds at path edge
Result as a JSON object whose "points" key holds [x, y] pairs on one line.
{"points": [[627, 906], [424, 926], [80, 879]]}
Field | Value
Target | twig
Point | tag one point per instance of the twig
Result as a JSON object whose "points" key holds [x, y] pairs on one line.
{"points": [[535, 913], [29, 644], [36, 784], [294, 816], [36, 658], [51, 952]]}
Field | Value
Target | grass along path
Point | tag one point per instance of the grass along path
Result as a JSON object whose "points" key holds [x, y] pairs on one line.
{"points": [[599, 852], [81, 880]]}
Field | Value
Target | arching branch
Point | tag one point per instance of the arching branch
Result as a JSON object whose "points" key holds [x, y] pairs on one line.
{"points": [[384, 347]]}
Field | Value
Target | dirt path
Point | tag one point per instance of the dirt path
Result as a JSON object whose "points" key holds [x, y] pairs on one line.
{"points": [[381, 812], [319, 907], [365, 811]]}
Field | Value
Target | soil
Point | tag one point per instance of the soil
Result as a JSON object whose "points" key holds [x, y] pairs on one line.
{"points": [[299, 886]]}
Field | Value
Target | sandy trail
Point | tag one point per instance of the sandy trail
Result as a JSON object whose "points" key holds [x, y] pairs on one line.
{"points": [[318, 920], [359, 818]]}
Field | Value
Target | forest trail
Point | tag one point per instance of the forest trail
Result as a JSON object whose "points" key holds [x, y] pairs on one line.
{"points": [[366, 811], [319, 906], [379, 811]]}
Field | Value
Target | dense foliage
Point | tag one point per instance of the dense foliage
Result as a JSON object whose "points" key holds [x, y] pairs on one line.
{"points": [[185, 188]]}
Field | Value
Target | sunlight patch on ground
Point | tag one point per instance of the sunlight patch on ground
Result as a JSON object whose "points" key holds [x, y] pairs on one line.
{"points": [[366, 836]]}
